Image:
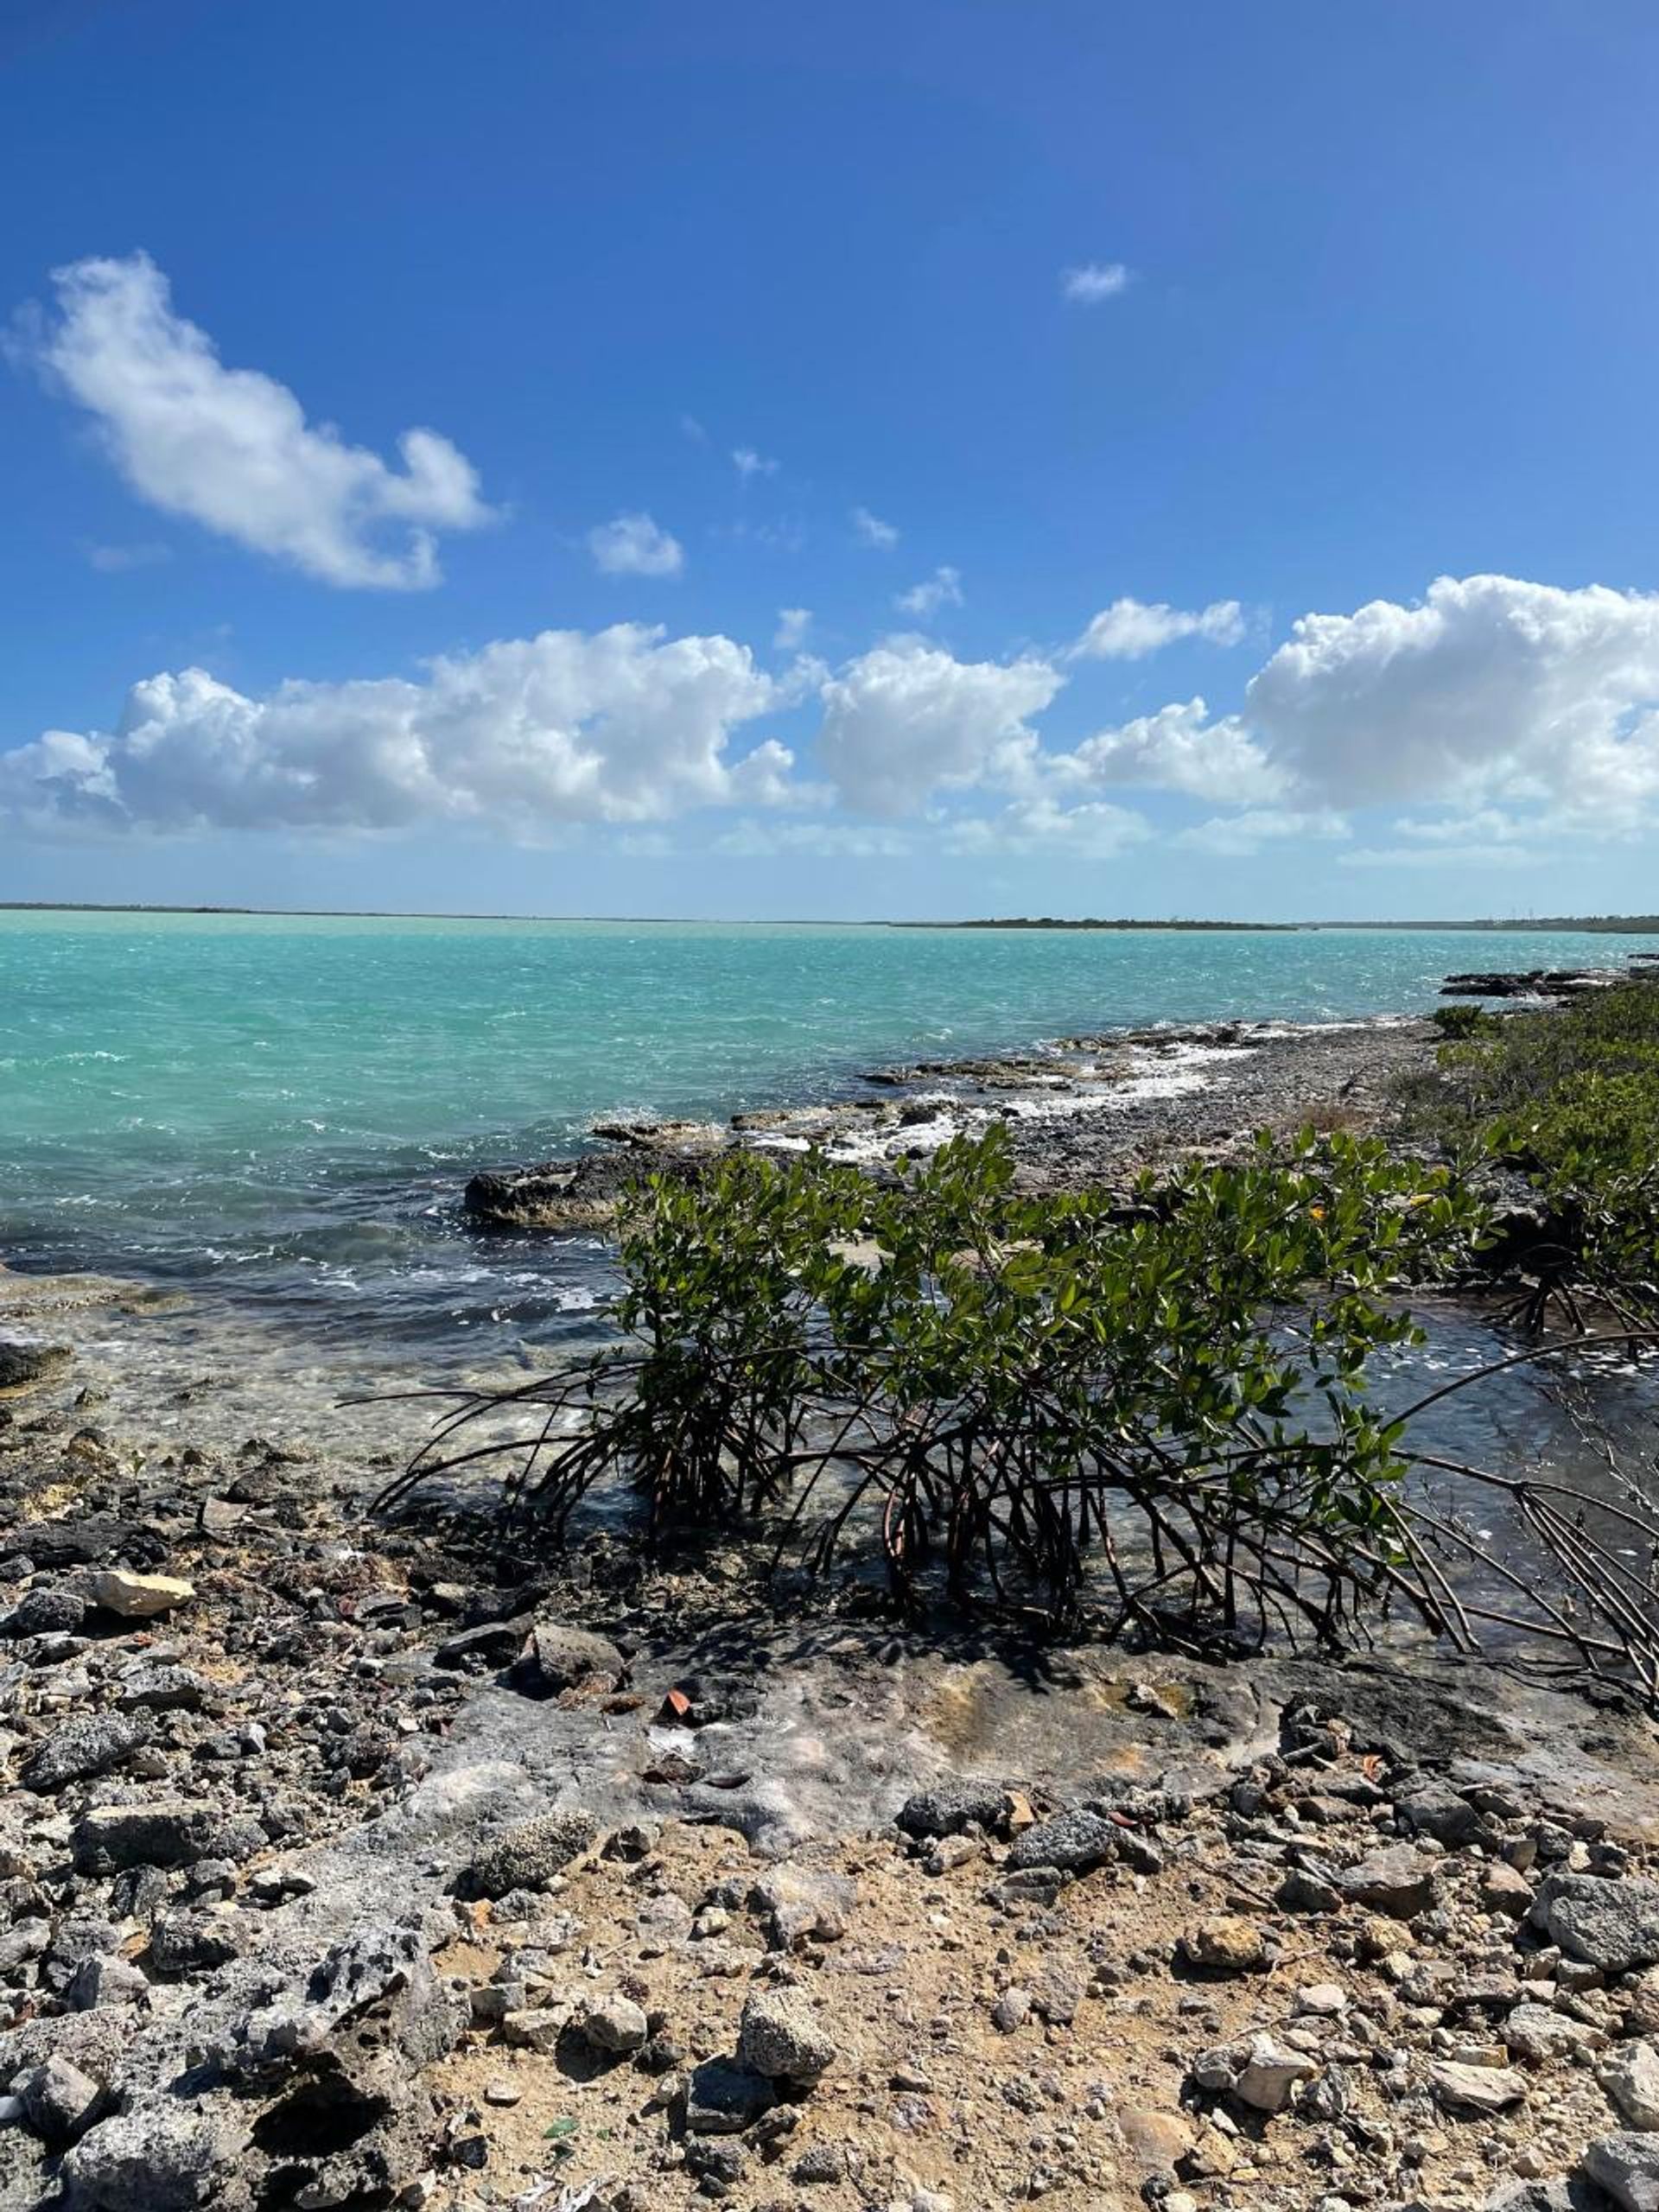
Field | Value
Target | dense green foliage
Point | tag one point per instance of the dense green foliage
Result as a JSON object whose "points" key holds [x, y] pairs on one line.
{"points": [[1570, 1097], [989, 1390]]}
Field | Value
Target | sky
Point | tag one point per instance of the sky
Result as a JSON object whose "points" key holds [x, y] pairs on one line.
{"points": [[963, 457]]}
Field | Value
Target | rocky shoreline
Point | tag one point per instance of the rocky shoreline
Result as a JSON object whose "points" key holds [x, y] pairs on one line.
{"points": [[355, 1866], [1083, 1111]]}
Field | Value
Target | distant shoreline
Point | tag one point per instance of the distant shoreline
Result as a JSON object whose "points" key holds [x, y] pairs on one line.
{"points": [[1585, 925]]}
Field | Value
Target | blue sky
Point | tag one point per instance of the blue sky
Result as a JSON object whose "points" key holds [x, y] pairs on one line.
{"points": [[910, 461]]}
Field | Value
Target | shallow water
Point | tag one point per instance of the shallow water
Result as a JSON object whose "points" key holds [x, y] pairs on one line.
{"points": [[279, 1113]]}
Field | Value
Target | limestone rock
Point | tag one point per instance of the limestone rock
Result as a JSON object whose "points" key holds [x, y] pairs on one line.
{"points": [[530, 1853], [134, 1597], [1476, 2088], [781, 2036], [1631, 2078]]}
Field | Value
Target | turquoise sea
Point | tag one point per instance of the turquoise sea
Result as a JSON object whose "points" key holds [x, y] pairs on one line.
{"points": [[281, 1112]]}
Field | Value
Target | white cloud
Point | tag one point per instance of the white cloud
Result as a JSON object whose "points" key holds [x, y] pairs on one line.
{"points": [[857, 840], [1489, 687], [1093, 281], [872, 531], [120, 560], [231, 448], [1129, 629], [748, 462], [1178, 748], [793, 623], [693, 429], [906, 720], [1490, 826], [618, 726], [633, 545], [943, 588], [1237, 836], [1096, 830], [1441, 856]]}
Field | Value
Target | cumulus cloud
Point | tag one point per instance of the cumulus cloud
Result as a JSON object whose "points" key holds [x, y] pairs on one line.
{"points": [[942, 589], [1488, 688], [870, 530], [906, 720], [231, 449], [619, 725], [1178, 748], [793, 623], [633, 545], [748, 462], [1094, 281], [1129, 629]]}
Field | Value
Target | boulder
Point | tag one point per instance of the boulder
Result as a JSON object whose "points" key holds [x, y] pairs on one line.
{"points": [[616, 2024], [92, 1744], [527, 1855], [781, 2036], [556, 1658], [1074, 1842], [1631, 2078], [134, 1597], [951, 1807], [1612, 1924], [1626, 2167], [1398, 1880], [1476, 2088], [1227, 1944], [114, 1837], [163, 2154], [722, 2099], [23, 1365]]}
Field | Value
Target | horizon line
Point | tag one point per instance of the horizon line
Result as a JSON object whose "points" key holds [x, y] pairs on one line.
{"points": [[1610, 925]]}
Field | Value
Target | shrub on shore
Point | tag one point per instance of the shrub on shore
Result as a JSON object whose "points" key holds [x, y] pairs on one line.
{"points": [[1005, 1394], [1569, 1098]]}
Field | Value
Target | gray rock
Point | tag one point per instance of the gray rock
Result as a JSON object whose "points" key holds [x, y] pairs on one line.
{"points": [[1476, 2088], [45, 1611], [616, 2024], [799, 1902], [1538, 2033], [164, 2154], [23, 1365], [58, 2099], [1631, 2078], [92, 1744], [1435, 1809], [106, 1980], [557, 1658], [1627, 2166], [781, 2036], [174, 1833], [1399, 1881], [1075, 1842], [1612, 1924], [953, 1806], [530, 1853], [195, 1942], [163, 1689], [722, 2099], [1269, 2073]]}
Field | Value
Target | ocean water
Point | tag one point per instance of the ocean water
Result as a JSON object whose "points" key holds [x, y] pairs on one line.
{"points": [[280, 1114]]}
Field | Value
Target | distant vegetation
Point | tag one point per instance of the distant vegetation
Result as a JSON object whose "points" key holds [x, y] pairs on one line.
{"points": [[1053, 922], [1569, 1098]]}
